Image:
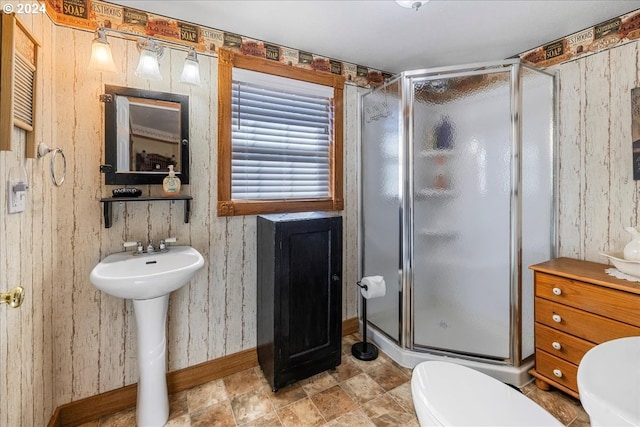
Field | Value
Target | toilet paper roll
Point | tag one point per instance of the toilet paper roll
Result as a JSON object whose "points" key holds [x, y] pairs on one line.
{"points": [[375, 287]]}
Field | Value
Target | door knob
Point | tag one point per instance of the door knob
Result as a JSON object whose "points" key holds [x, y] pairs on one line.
{"points": [[14, 297]]}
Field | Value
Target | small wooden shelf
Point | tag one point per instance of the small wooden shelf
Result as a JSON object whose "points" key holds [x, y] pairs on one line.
{"points": [[108, 201]]}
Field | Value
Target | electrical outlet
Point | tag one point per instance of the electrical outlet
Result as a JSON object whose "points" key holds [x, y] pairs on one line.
{"points": [[16, 199]]}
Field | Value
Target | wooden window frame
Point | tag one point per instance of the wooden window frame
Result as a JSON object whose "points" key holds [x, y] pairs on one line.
{"points": [[227, 206]]}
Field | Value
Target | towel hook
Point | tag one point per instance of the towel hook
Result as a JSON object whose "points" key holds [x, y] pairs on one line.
{"points": [[43, 150]]}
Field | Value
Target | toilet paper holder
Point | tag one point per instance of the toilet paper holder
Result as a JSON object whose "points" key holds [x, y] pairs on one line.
{"points": [[364, 350]]}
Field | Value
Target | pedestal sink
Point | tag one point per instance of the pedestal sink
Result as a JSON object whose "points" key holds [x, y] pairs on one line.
{"points": [[147, 280]]}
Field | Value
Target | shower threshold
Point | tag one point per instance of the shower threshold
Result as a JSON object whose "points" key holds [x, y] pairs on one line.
{"points": [[514, 375]]}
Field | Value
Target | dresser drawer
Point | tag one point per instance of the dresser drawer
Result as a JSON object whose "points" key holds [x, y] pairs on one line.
{"points": [[590, 327], [557, 370], [622, 306], [561, 345]]}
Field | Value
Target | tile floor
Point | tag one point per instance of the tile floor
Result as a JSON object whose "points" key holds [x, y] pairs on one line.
{"points": [[357, 393]]}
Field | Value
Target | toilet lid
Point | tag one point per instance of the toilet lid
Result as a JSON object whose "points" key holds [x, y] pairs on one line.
{"points": [[459, 396]]}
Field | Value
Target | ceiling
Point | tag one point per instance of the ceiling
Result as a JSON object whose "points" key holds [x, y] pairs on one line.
{"points": [[382, 35]]}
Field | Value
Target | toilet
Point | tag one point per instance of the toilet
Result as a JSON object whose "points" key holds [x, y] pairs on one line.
{"points": [[448, 394], [609, 383]]}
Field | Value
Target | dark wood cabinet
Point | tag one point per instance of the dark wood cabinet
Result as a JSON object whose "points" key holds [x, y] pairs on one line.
{"points": [[299, 313]]}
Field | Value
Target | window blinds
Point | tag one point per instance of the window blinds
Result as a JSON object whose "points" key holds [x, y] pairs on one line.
{"points": [[281, 133]]}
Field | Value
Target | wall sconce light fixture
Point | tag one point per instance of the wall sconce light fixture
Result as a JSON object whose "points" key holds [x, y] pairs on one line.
{"points": [[191, 69], [150, 52], [101, 57]]}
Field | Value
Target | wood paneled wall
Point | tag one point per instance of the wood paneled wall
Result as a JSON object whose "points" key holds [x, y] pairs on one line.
{"points": [[597, 196], [69, 341]]}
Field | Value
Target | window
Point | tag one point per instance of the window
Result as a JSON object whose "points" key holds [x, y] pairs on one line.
{"points": [[279, 137]]}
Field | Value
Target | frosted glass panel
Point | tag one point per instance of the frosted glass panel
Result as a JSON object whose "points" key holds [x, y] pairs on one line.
{"points": [[381, 202], [537, 187], [461, 214]]}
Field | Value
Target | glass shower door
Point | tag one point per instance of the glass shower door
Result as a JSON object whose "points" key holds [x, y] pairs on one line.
{"points": [[461, 148], [380, 204]]}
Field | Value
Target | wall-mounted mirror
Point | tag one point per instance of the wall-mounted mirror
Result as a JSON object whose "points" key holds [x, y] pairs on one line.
{"points": [[145, 132]]}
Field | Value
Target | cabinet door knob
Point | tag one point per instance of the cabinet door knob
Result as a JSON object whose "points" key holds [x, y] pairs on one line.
{"points": [[557, 291], [557, 373], [556, 345], [556, 318]]}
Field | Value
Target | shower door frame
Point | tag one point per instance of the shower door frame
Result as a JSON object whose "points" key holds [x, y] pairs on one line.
{"points": [[406, 245]]}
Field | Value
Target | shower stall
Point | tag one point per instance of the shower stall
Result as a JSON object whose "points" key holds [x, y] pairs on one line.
{"points": [[457, 200]]}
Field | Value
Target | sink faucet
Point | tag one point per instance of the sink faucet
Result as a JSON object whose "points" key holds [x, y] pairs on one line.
{"points": [[150, 249]]}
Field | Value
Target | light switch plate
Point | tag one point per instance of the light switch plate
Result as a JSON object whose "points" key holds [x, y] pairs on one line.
{"points": [[16, 199]]}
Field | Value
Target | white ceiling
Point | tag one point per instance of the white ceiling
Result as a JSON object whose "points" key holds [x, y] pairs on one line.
{"points": [[382, 35]]}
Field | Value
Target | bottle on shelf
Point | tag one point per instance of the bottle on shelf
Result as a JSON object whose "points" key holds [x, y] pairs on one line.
{"points": [[444, 135], [171, 183]]}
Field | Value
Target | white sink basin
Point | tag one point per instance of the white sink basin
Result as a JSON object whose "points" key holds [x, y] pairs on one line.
{"points": [[148, 275]]}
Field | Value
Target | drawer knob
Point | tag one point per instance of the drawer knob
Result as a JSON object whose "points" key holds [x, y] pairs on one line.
{"points": [[556, 318], [557, 373], [557, 291], [556, 345]]}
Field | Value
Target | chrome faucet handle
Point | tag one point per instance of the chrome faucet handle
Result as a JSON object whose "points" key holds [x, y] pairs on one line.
{"points": [[150, 248], [138, 245], [129, 245], [163, 243]]}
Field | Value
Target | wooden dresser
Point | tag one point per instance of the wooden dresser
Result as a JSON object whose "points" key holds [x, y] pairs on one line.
{"points": [[578, 305]]}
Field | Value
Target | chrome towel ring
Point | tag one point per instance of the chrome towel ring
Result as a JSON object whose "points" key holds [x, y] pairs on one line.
{"points": [[43, 150]]}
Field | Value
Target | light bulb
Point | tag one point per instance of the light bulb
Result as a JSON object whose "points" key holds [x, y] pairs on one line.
{"points": [[191, 69], [101, 57], [411, 4], [148, 66]]}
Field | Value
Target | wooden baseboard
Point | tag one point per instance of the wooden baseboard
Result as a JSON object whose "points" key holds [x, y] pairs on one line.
{"points": [[350, 326], [92, 408]]}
